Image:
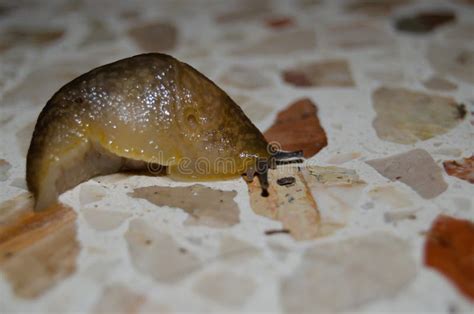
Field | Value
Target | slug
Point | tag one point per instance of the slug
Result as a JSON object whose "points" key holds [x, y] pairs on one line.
{"points": [[150, 109]]}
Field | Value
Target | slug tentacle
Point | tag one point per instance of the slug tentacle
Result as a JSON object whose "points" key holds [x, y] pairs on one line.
{"points": [[262, 172], [145, 110]]}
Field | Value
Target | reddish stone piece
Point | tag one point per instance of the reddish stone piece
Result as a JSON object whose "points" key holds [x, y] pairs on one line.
{"points": [[463, 169], [449, 248], [38, 250], [298, 128], [297, 78], [279, 22]]}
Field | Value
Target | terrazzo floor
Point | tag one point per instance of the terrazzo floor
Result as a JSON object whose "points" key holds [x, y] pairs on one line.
{"points": [[378, 95]]}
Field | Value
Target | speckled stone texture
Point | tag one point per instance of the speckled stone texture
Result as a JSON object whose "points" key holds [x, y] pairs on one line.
{"points": [[378, 219]]}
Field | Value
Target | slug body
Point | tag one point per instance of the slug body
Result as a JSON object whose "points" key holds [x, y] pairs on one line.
{"points": [[149, 109]]}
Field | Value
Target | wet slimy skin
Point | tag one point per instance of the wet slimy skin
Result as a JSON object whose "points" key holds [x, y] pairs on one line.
{"points": [[147, 109]]}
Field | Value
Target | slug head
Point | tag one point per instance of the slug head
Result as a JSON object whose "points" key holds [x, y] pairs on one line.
{"points": [[217, 139]]}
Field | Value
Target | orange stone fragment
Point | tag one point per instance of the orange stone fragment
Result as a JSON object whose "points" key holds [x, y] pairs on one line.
{"points": [[37, 249], [462, 169], [449, 248], [293, 205], [298, 128], [279, 22]]}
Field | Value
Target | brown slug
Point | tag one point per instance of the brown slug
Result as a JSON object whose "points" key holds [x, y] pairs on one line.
{"points": [[149, 109]]}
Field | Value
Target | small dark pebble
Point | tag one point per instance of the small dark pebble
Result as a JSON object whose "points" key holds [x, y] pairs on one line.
{"points": [[462, 111], [286, 181], [276, 231], [424, 22]]}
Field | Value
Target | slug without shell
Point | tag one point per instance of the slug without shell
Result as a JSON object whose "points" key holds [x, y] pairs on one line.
{"points": [[149, 109]]}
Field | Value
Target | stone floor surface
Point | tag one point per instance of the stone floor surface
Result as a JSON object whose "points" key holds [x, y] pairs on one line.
{"points": [[379, 95]]}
